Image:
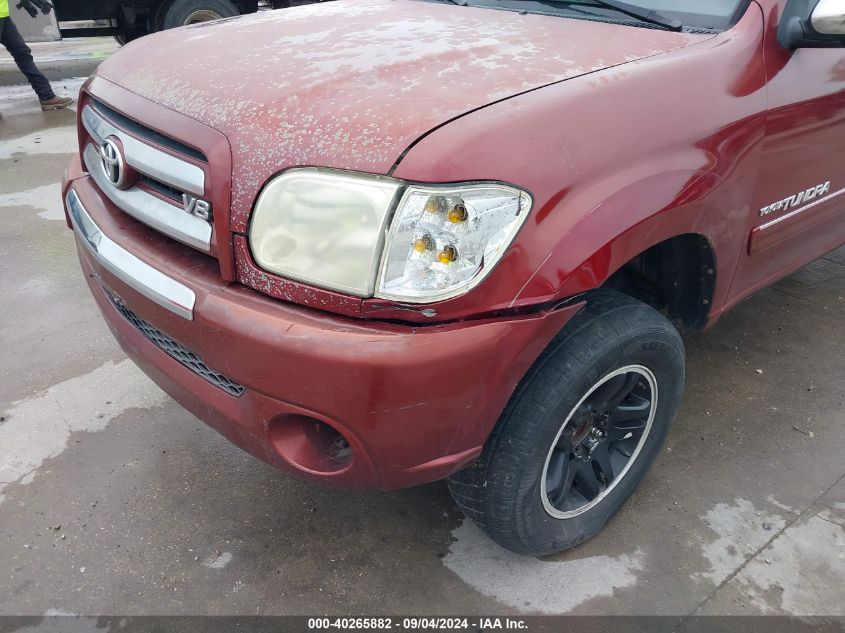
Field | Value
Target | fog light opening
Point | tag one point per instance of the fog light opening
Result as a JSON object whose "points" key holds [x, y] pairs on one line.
{"points": [[310, 444]]}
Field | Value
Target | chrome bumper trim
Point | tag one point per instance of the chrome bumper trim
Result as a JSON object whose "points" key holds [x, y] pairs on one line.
{"points": [[153, 284], [155, 212], [148, 160]]}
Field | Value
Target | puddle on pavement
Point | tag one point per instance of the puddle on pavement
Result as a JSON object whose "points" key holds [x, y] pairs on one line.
{"points": [[531, 584]]}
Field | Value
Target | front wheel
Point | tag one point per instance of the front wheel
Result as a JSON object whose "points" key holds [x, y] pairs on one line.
{"points": [[581, 431]]}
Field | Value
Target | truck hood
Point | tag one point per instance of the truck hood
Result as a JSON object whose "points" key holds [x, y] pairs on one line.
{"points": [[352, 84]]}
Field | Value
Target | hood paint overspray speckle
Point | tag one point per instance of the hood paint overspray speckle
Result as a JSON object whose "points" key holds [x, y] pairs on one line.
{"points": [[351, 84]]}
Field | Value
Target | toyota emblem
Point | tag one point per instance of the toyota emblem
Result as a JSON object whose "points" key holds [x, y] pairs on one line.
{"points": [[111, 157]]}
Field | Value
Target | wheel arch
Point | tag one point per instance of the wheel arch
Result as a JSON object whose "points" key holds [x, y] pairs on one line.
{"points": [[666, 240], [676, 276]]}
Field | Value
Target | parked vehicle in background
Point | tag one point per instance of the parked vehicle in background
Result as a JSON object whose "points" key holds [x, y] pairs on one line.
{"points": [[380, 243], [130, 19]]}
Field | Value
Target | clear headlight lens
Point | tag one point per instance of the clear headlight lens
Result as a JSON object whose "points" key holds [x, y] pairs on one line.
{"points": [[444, 241], [327, 228], [323, 228]]}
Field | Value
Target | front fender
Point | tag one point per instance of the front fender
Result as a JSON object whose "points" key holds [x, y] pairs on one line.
{"points": [[617, 161], [629, 222]]}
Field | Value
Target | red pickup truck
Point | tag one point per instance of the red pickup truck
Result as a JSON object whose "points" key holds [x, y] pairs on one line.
{"points": [[380, 243]]}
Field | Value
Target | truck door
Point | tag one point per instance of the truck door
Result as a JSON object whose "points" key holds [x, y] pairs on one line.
{"points": [[798, 211]]}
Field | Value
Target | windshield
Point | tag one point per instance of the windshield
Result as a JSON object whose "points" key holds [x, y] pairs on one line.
{"points": [[695, 14]]}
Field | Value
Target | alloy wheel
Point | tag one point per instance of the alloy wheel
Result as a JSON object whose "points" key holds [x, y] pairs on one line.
{"points": [[599, 441]]}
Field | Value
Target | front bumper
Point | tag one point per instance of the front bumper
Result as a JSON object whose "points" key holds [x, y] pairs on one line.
{"points": [[414, 404]]}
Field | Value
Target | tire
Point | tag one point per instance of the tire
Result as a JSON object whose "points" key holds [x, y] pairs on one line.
{"points": [[564, 419], [183, 12]]}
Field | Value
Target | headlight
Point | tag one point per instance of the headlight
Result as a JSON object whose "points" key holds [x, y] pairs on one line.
{"points": [[445, 240], [327, 228], [323, 228]]}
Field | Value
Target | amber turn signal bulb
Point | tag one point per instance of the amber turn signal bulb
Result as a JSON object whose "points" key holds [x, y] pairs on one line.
{"points": [[447, 255], [423, 244], [458, 214], [435, 204]]}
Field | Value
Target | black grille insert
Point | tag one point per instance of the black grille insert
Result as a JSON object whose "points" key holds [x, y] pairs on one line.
{"points": [[144, 132], [176, 351]]}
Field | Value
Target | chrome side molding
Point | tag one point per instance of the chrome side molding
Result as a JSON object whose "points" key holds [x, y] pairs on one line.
{"points": [[146, 159], [153, 284], [155, 212]]}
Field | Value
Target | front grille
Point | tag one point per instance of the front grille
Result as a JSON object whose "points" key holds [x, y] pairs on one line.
{"points": [[163, 165], [175, 350]]}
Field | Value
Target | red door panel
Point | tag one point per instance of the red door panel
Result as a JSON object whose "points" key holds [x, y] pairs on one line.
{"points": [[798, 210]]}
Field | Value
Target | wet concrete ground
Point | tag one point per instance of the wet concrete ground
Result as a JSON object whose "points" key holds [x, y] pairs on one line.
{"points": [[114, 500]]}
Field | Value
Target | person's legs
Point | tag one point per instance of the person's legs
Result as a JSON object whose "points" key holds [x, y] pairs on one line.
{"points": [[12, 40]]}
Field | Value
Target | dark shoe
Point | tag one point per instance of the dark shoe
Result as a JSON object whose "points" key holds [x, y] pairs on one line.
{"points": [[56, 103]]}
